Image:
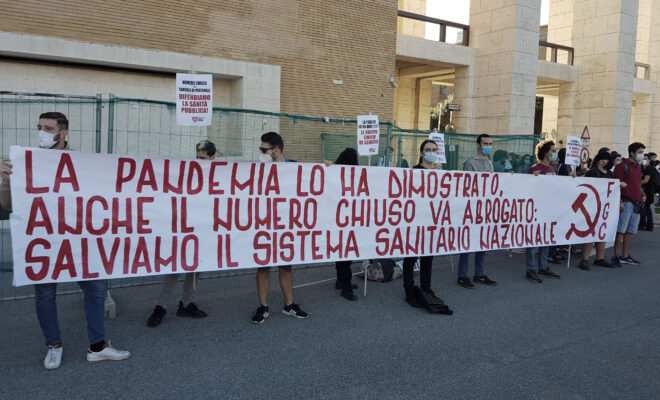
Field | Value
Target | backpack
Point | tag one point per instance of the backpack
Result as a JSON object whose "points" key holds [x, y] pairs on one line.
{"points": [[383, 270]]}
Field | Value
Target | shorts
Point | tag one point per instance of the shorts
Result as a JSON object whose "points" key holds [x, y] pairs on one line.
{"points": [[284, 267], [628, 220]]}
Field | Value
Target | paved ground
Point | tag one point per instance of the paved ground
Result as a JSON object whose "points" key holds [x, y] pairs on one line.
{"points": [[590, 335]]}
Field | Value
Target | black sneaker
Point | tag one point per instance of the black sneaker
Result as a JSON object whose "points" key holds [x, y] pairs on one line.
{"points": [[156, 317], [532, 277], [546, 273], [484, 280], [294, 310], [338, 285], [552, 260], [603, 263], [191, 310], [584, 264], [260, 315], [348, 294], [617, 262], [465, 282], [558, 257], [629, 260]]}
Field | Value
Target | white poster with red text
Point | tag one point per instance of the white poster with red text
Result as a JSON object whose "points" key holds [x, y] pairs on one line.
{"points": [[79, 216], [368, 135], [194, 99]]}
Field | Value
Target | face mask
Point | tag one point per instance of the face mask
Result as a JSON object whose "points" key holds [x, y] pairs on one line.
{"points": [[507, 164], [486, 150], [265, 158], [657, 167], [639, 157], [47, 140], [553, 157], [431, 157], [527, 162], [644, 162]]}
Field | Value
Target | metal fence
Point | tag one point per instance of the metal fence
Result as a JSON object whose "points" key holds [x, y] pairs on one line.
{"points": [[106, 124]]}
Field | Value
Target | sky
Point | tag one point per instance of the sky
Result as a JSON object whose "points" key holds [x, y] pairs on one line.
{"points": [[459, 11]]}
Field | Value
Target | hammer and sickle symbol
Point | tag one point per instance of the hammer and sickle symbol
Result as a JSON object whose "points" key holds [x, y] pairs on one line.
{"points": [[578, 205]]}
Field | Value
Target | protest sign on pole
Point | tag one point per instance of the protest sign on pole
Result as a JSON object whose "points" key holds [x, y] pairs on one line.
{"points": [[194, 99], [573, 149], [368, 135], [439, 139], [79, 216]]}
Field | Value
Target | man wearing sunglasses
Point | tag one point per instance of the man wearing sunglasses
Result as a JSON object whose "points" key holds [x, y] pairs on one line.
{"points": [[271, 148]]}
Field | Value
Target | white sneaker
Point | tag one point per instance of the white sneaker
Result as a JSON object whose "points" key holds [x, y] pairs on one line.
{"points": [[53, 357], [108, 353]]}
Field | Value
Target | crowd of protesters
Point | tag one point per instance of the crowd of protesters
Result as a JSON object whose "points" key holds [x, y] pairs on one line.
{"points": [[637, 171]]}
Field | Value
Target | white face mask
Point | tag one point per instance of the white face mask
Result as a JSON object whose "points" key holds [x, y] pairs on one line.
{"points": [[644, 162], [639, 157], [47, 140], [265, 158]]}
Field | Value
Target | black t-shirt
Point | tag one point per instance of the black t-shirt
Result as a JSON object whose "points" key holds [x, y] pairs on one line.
{"points": [[419, 166], [595, 173]]}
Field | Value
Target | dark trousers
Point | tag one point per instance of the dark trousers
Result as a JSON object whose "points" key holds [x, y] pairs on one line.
{"points": [[344, 274], [646, 217], [425, 264]]}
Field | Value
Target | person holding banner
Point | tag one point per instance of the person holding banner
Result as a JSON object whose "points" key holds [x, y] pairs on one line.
{"points": [[272, 147], [478, 162], [422, 296], [347, 157], [537, 258], [205, 150], [600, 169], [632, 202], [53, 131]]}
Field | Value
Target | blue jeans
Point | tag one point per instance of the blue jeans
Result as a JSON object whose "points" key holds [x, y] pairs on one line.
{"points": [[541, 252], [94, 310], [463, 259]]}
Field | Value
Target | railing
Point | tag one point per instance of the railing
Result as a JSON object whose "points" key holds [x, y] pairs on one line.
{"points": [[553, 51], [443, 25], [645, 67]]}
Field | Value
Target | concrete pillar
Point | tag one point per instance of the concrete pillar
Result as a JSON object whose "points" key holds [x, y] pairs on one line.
{"points": [[654, 61], [506, 34], [640, 124], [603, 34], [464, 95]]}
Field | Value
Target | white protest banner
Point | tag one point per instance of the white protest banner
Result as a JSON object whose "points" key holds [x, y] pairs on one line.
{"points": [[194, 99], [573, 149], [439, 139], [368, 135], [80, 216]]}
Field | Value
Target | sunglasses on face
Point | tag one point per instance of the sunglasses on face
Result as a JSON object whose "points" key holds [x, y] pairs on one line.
{"points": [[265, 150]]}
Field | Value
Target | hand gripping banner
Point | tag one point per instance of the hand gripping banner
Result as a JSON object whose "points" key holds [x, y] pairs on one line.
{"points": [[79, 216]]}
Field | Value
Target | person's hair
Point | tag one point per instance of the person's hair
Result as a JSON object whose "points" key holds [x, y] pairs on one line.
{"points": [[207, 147], [604, 149], [561, 155], [543, 148], [652, 154], [274, 139], [634, 147], [482, 136], [614, 154], [347, 157], [499, 155], [62, 122], [421, 149], [602, 155]]}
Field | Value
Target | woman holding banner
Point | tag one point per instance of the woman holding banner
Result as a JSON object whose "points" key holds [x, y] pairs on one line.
{"points": [[422, 296], [546, 154], [347, 157], [600, 169]]}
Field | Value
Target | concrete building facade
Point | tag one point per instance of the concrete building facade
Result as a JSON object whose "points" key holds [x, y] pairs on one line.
{"points": [[596, 64]]}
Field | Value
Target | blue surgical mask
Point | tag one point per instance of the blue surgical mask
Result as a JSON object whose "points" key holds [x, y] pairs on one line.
{"points": [[431, 157], [527, 162], [553, 157], [486, 150]]}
